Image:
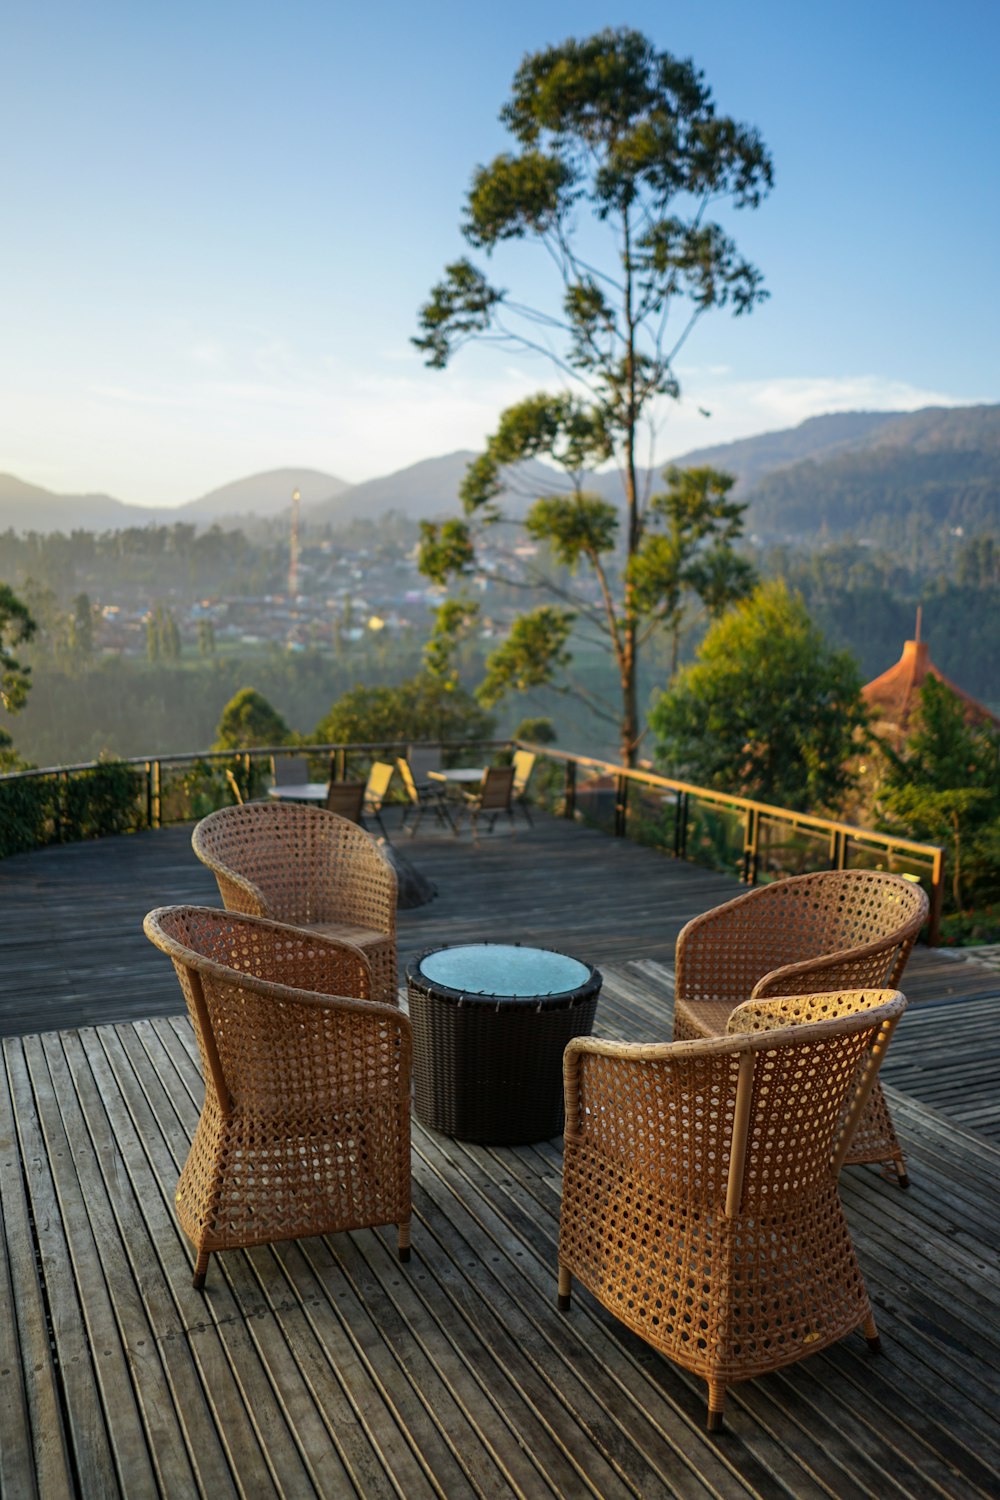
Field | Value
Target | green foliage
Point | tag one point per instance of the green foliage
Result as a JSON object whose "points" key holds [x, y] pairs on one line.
{"points": [[163, 639], [945, 788], [206, 638], [16, 628], [38, 810], [249, 720], [426, 707], [608, 124], [445, 549], [26, 813], [535, 646], [538, 731], [454, 622], [768, 710], [576, 527], [865, 598], [693, 553]]}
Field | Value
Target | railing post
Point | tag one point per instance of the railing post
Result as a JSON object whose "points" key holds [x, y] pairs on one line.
{"points": [[569, 790], [937, 897], [837, 849], [680, 825], [149, 794], [751, 846], [341, 762], [621, 806], [157, 795]]}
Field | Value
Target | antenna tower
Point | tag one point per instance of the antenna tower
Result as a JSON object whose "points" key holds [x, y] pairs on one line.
{"points": [[293, 561]]}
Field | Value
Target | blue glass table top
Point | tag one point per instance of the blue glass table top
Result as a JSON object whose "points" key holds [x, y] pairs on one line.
{"points": [[504, 970]]}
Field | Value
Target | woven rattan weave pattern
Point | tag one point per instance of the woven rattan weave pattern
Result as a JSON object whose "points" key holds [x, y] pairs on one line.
{"points": [[700, 1200], [488, 1067], [305, 1127], [838, 929], [310, 868]]}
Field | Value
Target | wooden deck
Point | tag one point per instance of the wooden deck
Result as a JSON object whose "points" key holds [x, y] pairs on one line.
{"points": [[324, 1367]]}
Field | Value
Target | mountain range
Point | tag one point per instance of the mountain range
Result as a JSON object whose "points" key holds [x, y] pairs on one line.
{"points": [[830, 474]]}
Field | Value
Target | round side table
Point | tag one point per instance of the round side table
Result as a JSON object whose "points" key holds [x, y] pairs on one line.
{"points": [[490, 1024]]}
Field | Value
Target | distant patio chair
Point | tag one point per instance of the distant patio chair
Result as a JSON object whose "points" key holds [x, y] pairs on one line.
{"points": [[420, 798], [699, 1191], [423, 759], [310, 868], [491, 798], [346, 799], [289, 770], [305, 1127], [523, 763], [377, 789], [834, 929], [234, 786]]}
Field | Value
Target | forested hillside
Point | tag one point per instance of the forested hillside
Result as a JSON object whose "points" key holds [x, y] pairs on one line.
{"points": [[914, 481]]}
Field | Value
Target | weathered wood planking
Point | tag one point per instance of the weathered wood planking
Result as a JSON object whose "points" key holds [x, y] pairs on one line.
{"points": [[324, 1367], [72, 952]]}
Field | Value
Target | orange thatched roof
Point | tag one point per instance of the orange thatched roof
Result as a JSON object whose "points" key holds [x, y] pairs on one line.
{"points": [[894, 694]]}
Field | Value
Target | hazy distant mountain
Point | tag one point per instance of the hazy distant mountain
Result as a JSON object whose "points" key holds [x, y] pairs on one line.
{"points": [[28, 507], [817, 438], [425, 490], [830, 474], [262, 495]]}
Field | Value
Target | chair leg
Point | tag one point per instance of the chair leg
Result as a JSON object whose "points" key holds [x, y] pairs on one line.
{"points": [[716, 1404], [403, 1231], [200, 1270], [565, 1288], [871, 1334]]}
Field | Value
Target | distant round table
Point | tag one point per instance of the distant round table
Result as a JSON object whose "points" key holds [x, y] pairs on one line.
{"points": [[299, 791], [490, 1024]]}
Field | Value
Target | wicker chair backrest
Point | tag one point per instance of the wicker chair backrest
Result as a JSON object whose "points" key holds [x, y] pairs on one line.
{"points": [[254, 987], [297, 864], [833, 929]]}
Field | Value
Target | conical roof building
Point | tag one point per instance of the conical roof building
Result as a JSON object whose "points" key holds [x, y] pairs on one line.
{"points": [[895, 694]]}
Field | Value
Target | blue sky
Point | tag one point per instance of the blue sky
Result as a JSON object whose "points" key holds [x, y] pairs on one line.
{"points": [[220, 220]]}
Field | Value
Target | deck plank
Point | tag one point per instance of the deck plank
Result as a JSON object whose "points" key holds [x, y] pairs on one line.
{"points": [[325, 1367]]}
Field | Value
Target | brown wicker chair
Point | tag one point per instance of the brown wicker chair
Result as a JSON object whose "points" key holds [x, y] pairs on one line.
{"points": [[305, 1127], [700, 1200], [837, 929], [308, 867]]}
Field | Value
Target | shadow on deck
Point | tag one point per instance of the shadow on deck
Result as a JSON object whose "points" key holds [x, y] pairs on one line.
{"points": [[323, 1367]]}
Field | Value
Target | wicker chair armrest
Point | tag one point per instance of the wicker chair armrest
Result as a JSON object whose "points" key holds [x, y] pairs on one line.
{"points": [[780, 1012], [237, 891], [240, 894], [847, 968]]}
